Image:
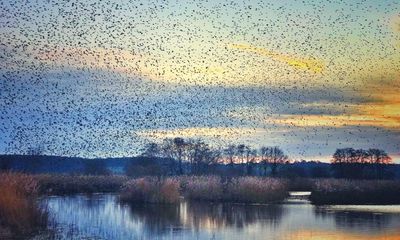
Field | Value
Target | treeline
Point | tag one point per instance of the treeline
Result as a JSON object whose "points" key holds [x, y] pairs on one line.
{"points": [[197, 157], [201, 156], [361, 164], [179, 156]]}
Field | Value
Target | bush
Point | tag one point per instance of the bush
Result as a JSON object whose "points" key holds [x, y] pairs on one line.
{"points": [[334, 191], [20, 214], [150, 190]]}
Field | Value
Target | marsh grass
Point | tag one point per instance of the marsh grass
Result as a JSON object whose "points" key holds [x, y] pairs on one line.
{"points": [[256, 190], [20, 213], [339, 191], [204, 188], [72, 184], [150, 190]]}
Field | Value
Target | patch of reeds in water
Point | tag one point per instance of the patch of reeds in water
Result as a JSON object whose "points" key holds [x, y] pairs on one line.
{"points": [[339, 191], [205, 188], [150, 190]]}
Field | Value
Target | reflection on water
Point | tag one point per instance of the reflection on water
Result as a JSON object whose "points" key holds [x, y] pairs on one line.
{"points": [[367, 221], [103, 217]]}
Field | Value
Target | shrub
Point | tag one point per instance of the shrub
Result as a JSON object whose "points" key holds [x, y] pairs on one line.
{"points": [[150, 190], [20, 214], [335, 191]]}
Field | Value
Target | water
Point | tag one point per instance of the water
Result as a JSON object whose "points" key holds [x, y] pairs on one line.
{"points": [[103, 217]]}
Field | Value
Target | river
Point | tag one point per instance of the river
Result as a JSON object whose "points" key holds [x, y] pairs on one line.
{"points": [[103, 217]]}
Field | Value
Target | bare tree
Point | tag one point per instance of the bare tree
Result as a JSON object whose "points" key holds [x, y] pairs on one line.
{"points": [[151, 150], [379, 156], [264, 152], [202, 156], [175, 148], [230, 153], [274, 157]]}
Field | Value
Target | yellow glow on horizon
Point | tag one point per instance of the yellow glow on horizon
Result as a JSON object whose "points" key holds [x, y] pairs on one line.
{"points": [[335, 120], [196, 132], [337, 235], [309, 64]]}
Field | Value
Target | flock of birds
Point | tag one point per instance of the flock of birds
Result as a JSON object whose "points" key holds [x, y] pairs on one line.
{"points": [[99, 78]]}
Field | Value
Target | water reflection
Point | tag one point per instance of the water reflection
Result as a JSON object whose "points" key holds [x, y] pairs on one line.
{"points": [[103, 217], [206, 215], [349, 220]]}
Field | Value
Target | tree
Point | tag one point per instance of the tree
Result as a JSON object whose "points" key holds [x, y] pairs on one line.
{"points": [[240, 150], [275, 156], [175, 149], [202, 156], [250, 157], [379, 158], [230, 153], [351, 163], [264, 151], [151, 150]]}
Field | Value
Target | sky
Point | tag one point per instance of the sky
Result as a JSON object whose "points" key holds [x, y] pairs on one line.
{"points": [[103, 78]]}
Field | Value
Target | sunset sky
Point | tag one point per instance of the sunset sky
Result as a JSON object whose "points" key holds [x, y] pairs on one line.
{"points": [[102, 78]]}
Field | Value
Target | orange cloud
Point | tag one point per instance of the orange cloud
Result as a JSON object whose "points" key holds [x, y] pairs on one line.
{"points": [[382, 110], [309, 64]]}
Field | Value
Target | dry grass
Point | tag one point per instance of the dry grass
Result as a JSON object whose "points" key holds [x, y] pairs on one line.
{"points": [[20, 214], [71, 184], [339, 191], [207, 188], [256, 190], [151, 190], [240, 189]]}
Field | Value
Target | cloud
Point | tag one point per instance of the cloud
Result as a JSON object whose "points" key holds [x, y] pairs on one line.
{"points": [[221, 133], [336, 121], [309, 64], [395, 23]]}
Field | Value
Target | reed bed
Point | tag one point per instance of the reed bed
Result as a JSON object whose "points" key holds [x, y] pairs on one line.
{"points": [[255, 190], [339, 191], [205, 188], [20, 213], [73, 184], [150, 190]]}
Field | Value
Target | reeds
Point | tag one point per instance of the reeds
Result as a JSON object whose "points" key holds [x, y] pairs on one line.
{"points": [[339, 191], [206, 188], [72, 184], [255, 190], [20, 213], [150, 190]]}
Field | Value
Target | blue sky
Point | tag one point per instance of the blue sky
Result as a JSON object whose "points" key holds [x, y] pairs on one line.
{"points": [[82, 78]]}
